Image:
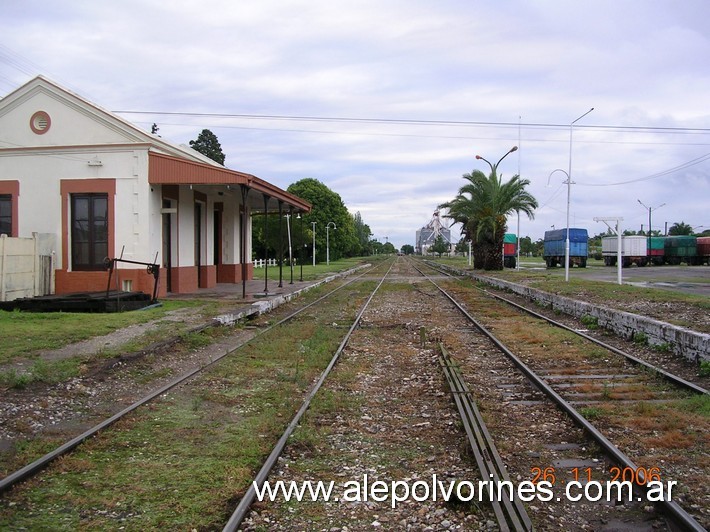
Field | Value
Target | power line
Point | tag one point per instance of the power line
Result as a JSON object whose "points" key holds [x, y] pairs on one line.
{"points": [[370, 120], [427, 136], [682, 166]]}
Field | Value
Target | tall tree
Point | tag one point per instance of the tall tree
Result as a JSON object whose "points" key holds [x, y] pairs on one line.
{"points": [[208, 145], [440, 246], [362, 232], [680, 228], [327, 207], [407, 249], [481, 207]]}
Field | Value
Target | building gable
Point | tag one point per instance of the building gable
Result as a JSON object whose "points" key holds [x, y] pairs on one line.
{"points": [[41, 114]]}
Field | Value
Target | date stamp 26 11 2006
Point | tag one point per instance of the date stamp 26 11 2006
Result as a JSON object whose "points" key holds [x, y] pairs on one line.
{"points": [[620, 487]]}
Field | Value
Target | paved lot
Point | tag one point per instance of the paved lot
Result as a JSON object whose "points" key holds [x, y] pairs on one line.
{"points": [[686, 279]]}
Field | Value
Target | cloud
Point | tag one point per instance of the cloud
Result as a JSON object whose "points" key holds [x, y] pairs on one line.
{"points": [[544, 62]]}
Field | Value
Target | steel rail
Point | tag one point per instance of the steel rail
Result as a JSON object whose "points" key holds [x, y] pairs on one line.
{"points": [[39, 464], [671, 508], [675, 379], [246, 501], [512, 513]]}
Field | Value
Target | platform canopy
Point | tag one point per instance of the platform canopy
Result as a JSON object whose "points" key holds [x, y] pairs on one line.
{"points": [[169, 170]]}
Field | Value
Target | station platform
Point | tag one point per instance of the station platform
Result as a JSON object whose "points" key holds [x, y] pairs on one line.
{"points": [[260, 296]]}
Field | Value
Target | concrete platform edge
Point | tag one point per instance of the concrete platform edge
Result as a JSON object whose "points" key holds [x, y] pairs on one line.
{"points": [[267, 305]]}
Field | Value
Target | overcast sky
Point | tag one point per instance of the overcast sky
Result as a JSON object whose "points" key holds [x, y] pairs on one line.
{"points": [[432, 84]]}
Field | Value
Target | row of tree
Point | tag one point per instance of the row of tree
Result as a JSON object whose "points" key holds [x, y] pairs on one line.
{"points": [[335, 228], [481, 206], [343, 233]]}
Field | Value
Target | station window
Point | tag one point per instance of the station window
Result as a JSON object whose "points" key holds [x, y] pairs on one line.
{"points": [[6, 214], [89, 231]]}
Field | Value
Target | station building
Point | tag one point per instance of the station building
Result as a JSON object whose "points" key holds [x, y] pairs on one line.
{"points": [[95, 187]]}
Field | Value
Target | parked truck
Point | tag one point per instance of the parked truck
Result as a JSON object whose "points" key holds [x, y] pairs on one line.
{"points": [[681, 248], [656, 253], [510, 250], [704, 250], [634, 250], [554, 247]]}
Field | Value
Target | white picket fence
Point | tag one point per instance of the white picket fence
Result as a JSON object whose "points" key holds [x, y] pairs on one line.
{"points": [[259, 263]]}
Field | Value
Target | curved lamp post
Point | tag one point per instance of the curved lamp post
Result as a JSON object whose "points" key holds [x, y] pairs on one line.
{"points": [[569, 186], [494, 168], [568, 183], [327, 242]]}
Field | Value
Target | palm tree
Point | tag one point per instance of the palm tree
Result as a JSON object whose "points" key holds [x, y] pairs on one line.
{"points": [[481, 207]]}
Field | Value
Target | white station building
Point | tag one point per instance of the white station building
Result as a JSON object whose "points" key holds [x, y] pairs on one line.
{"points": [[95, 186]]}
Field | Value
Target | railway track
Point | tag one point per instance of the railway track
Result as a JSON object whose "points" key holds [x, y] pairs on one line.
{"points": [[572, 453], [628, 381], [224, 349], [385, 411], [644, 365]]}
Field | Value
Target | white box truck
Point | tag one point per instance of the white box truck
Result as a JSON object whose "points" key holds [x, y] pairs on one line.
{"points": [[634, 250]]}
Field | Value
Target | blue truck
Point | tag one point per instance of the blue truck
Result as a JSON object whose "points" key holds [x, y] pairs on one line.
{"points": [[554, 247]]}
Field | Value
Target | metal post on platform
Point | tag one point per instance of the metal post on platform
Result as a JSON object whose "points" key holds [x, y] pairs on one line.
{"points": [[266, 247], [243, 242], [281, 245], [617, 231], [327, 242], [314, 243], [301, 246], [288, 232]]}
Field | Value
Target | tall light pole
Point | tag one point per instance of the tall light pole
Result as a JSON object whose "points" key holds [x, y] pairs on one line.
{"points": [[569, 189], [494, 168], [327, 242], [649, 209], [314, 243]]}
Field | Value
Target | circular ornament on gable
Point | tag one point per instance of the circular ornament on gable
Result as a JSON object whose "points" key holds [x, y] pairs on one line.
{"points": [[40, 122]]}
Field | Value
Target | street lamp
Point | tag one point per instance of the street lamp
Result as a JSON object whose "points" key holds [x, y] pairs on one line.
{"points": [[494, 167], [314, 243], [327, 242], [569, 186], [649, 209]]}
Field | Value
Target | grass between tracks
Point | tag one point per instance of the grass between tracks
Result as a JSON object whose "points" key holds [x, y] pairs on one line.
{"points": [[608, 293], [183, 462], [28, 335], [672, 432], [311, 272]]}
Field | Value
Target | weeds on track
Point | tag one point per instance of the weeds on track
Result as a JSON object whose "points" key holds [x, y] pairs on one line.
{"points": [[178, 462]]}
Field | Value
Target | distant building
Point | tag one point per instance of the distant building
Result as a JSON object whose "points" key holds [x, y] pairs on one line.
{"points": [[426, 236]]}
